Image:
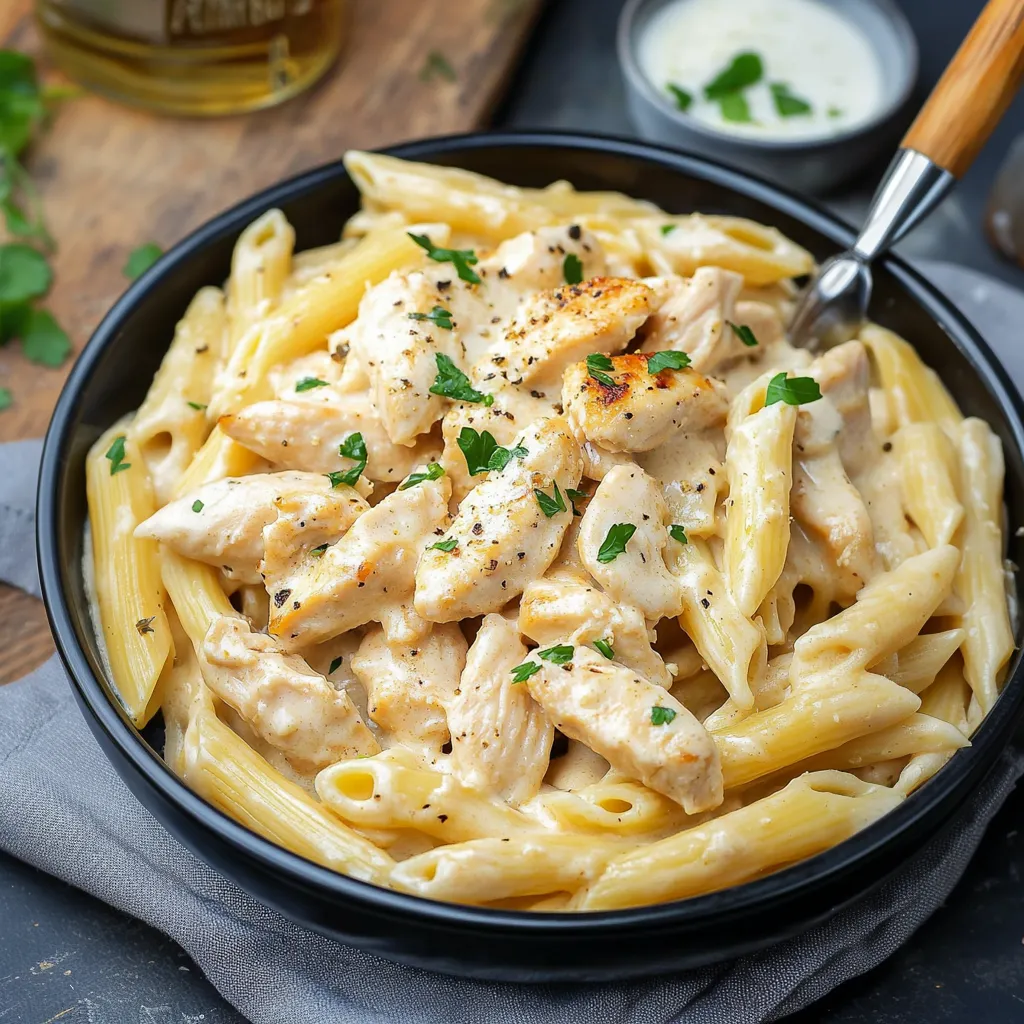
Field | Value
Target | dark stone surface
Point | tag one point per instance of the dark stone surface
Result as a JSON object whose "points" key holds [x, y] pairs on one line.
{"points": [[67, 957]]}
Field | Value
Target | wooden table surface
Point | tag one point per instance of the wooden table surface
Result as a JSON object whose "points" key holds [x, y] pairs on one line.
{"points": [[112, 178]]}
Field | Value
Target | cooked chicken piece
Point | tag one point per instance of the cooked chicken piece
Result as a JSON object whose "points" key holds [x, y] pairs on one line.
{"points": [[368, 576], [560, 606], [408, 686], [306, 525], [306, 433], [639, 727], [222, 523], [501, 737], [503, 537], [694, 318], [692, 476], [843, 373], [642, 410], [553, 329], [399, 352], [568, 562], [634, 574], [597, 462], [288, 704]]}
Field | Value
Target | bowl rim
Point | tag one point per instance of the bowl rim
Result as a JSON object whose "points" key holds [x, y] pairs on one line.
{"points": [[757, 895], [637, 80]]}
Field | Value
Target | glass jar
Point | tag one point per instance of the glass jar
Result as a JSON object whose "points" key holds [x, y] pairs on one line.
{"points": [[200, 57]]}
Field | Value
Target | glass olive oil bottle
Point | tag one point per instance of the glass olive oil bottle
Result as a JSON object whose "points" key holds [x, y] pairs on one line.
{"points": [[199, 57]]}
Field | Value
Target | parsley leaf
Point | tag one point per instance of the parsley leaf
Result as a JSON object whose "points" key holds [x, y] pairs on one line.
{"points": [[462, 259], [792, 391], [744, 333], [786, 103], [523, 672], [734, 107], [353, 447], [434, 471], [5, 399], [335, 665], [662, 716], [744, 69], [668, 360], [436, 65], [676, 532], [550, 506], [452, 383], [615, 542], [24, 273], [141, 259], [835, 112], [483, 453], [439, 316], [308, 383], [605, 648], [501, 457], [596, 363], [680, 95], [573, 495], [449, 544], [667, 229], [115, 453], [572, 268], [557, 655], [198, 406], [197, 506], [42, 339], [319, 550]]}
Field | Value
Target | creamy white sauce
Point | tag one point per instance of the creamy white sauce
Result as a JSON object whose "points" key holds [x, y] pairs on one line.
{"points": [[811, 49]]}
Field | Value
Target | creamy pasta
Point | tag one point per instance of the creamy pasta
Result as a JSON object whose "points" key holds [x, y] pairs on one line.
{"points": [[508, 553]]}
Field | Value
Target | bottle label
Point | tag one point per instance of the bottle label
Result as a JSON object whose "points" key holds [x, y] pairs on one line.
{"points": [[167, 21]]}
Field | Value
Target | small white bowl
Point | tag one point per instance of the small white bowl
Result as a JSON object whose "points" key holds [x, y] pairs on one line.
{"points": [[804, 165]]}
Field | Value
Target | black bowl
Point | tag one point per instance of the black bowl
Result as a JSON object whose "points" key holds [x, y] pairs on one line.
{"points": [[111, 377]]}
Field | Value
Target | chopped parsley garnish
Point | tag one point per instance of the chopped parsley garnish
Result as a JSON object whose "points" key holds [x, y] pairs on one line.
{"points": [[615, 543], [597, 362], [662, 716], [450, 544], [557, 655], [676, 532], [605, 648], [318, 551], [335, 665], [572, 268], [353, 447], [744, 333], [792, 390], [452, 383], [434, 471], [835, 112], [523, 672], [461, 259], [439, 316], [436, 65], [683, 98], [550, 506], [667, 229], [5, 399], [573, 495], [116, 455], [141, 259], [786, 103], [744, 70], [198, 406], [483, 453], [668, 360], [308, 383], [145, 626], [734, 107], [197, 506]]}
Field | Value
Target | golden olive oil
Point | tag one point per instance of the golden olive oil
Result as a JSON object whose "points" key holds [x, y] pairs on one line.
{"points": [[198, 57]]}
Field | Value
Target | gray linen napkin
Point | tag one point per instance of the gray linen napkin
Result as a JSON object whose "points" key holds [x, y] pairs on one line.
{"points": [[63, 809]]}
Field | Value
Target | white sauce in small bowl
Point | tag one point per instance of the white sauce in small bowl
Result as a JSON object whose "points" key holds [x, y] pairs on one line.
{"points": [[807, 49]]}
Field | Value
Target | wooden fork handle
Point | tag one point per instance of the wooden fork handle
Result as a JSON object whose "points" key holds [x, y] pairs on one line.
{"points": [[974, 90]]}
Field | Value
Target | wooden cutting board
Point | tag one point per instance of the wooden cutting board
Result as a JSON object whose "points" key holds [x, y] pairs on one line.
{"points": [[112, 178]]}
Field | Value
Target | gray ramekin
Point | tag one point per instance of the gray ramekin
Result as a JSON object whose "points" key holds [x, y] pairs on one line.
{"points": [[803, 165]]}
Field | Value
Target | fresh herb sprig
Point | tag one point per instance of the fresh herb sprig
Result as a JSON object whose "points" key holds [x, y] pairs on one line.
{"points": [[353, 447], [483, 454], [462, 259], [452, 383]]}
